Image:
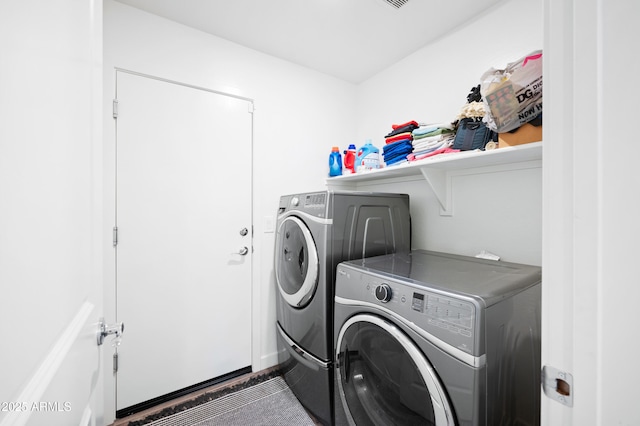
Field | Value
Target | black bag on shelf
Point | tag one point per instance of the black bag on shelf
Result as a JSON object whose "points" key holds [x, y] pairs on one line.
{"points": [[471, 135]]}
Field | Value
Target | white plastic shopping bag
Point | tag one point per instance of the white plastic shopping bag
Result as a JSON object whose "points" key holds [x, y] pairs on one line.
{"points": [[513, 96]]}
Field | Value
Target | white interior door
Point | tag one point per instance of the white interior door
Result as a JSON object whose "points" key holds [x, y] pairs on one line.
{"points": [[50, 220], [183, 261]]}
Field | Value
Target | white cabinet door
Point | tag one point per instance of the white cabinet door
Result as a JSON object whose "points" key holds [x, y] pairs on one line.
{"points": [[183, 260]]}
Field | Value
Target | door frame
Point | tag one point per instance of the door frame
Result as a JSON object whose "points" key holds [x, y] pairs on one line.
{"points": [[109, 213]]}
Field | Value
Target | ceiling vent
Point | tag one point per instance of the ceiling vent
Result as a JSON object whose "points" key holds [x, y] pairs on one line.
{"points": [[396, 3]]}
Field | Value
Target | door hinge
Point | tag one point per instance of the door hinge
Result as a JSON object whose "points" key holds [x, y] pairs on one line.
{"points": [[557, 385], [251, 107], [115, 362], [115, 108], [115, 236]]}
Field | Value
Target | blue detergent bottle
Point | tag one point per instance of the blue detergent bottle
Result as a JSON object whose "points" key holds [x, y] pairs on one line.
{"points": [[368, 157], [335, 162]]}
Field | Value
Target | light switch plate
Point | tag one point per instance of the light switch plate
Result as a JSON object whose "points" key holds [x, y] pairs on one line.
{"points": [[268, 224]]}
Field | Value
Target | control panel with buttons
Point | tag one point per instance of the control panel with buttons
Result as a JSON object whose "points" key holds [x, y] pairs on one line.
{"points": [[451, 318]]}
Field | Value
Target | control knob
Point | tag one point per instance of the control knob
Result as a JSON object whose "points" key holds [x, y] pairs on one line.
{"points": [[383, 293]]}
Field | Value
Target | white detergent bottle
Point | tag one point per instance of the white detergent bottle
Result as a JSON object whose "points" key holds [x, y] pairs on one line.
{"points": [[367, 157]]}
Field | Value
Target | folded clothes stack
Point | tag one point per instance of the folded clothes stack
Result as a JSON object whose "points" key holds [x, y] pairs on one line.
{"points": [[431, 139], [401, 131], [398, 143], [396, 152]]}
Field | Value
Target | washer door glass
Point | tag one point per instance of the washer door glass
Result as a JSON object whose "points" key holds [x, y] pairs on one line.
{"points": [[384, 379], [296, 262]]}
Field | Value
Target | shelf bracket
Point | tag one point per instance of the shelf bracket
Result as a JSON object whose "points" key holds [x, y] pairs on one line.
{"points": [[440, 182]]}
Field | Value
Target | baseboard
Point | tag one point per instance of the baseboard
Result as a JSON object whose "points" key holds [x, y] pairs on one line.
{"points": [[268, 361]]}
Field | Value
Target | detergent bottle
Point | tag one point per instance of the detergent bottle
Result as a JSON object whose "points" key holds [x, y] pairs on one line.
{"points": [[367, 158], [335, 162], [350, 159]]}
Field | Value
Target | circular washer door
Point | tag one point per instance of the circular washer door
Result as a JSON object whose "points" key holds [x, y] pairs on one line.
{"points": [[296, 262], [384, 379]]}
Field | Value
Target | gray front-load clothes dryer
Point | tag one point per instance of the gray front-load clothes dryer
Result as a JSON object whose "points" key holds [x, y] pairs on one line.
{"points": [[315, 232], [430, 338]]}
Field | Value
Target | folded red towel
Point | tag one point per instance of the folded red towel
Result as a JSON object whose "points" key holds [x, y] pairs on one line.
{"points": [[399, 137], [397, 126]]}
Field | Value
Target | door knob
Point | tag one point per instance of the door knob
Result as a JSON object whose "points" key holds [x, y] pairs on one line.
{"points": [[243, 251], [104, 330], [244, 232]]}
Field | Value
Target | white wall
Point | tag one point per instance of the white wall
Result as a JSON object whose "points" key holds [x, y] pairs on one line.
{"points": [[299, 115], [499, 212], [618, 183], [590, 217]]}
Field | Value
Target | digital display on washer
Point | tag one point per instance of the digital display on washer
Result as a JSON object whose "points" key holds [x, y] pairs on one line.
{"points": [[317, 199], [417, 303]]}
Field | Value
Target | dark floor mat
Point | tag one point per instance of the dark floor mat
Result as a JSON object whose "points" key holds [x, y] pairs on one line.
{"points": [[268, 403]]}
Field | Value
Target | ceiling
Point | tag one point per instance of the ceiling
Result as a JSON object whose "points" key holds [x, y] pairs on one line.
{"points": [[349, 39]]}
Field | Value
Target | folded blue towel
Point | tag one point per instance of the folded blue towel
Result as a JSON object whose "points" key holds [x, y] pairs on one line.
{"points": [[398, 160], [396, 154], [399, 146]]}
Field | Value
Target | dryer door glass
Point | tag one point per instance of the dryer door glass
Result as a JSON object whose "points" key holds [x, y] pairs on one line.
{"points": [[384, 379], [296, 262]]}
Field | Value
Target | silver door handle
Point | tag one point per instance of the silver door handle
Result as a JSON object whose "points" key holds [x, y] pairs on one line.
{"points": [[104, 330], [243, 251]]}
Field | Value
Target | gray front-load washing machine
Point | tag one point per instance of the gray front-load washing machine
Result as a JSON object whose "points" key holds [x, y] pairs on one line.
{"points": [[437, 339], [315, 232]]}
